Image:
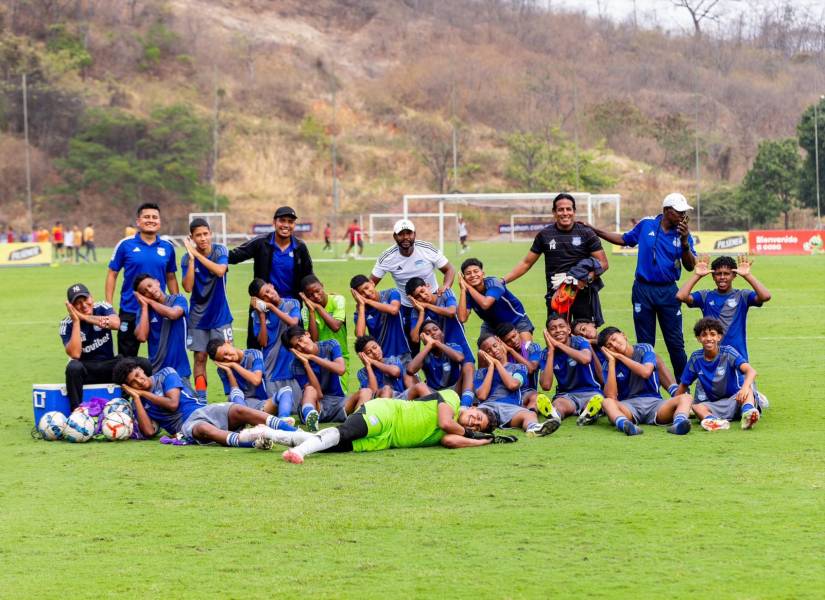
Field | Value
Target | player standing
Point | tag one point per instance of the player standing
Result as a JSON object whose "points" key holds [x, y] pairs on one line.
{"points": [[356, 236]]}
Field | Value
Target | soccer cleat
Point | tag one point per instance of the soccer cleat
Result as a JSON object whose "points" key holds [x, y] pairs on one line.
{"points": [[714, 424], [252, 433], [293, 457], [750, 418], [763, 402], [540, 430], [544, 405], [263, 443], [630, 428], [312, 421], [591, 411], [680, 428]]}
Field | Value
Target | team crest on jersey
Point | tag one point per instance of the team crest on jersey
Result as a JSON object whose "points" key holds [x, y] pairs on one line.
{"points": [[576, 241], [731, 302], [637, 307], [676, 242], [551, 245], [161, 251], [96, 328], [124, 327], [420, 262], [720, 371], [571, 362], [373, 420]]}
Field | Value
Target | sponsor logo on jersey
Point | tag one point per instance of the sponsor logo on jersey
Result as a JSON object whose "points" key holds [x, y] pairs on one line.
{"points": [[135, 249], [620, 376]]}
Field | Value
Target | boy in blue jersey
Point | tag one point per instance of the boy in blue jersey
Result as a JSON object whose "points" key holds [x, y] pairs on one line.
{"points": [[498, 388], [720, 370], [569, 361], [162, 401], [277, 315], [442, 309], [631, 388], [204, 269], [318, 369], [443, 363], [491, 300], [524, 353], [385, 377], [379, 313], [162, 322], [246, 368]]}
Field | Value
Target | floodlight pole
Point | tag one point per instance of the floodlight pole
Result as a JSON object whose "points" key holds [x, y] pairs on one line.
{"points": [[816, 159], [28, 154], [334, 159]]}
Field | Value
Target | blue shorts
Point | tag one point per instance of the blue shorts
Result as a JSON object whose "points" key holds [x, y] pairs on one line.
{"points": [[504, 411], [643, 409], [579, 399], [727, 408], [216, 415]]}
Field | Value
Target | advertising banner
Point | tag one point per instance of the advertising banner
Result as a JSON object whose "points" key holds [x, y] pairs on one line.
{"points": [[787, 241], [523, 227], [25, 254], [260, 228], [710, 242]]}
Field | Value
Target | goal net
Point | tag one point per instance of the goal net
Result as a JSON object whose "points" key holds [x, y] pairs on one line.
{"points": [[217, 223]]}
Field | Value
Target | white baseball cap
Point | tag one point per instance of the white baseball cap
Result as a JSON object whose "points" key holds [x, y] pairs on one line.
{"points": [[403, 225], [677, 202]]}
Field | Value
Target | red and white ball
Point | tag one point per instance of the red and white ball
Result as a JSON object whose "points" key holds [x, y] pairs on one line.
{"points": [[117, 426]]}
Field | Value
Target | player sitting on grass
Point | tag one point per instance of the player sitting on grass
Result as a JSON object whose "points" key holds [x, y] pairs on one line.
{"points": [[499, 389], [442, 309], [631, 388], [162, 401], [443, 363], [719, 370], [324, 315], [318, 369], [379, 314], [391, 423], [278, 314], [569, 361], [385, 377], [491, 300], [527, 353], [161, 320], [247, 370]]}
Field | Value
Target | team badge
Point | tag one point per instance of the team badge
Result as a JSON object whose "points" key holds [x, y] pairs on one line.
{"points": [[720, 371], [124, 327], [576, 241], [96, 328], [731, 302], [676, 242], [571, 362], [161, 251], [637, 307], [373, 420]]}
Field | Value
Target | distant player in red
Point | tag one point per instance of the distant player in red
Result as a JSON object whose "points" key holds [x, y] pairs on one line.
{"points": [[327, 239], [356, 236], [57, 239]]}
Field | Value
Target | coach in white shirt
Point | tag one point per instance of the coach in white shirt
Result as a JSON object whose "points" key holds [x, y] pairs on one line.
{"points": [[411, 258]]}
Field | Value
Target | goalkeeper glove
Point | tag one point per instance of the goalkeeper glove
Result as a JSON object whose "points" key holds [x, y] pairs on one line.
{"points": [[477, 435], [504, 439]]}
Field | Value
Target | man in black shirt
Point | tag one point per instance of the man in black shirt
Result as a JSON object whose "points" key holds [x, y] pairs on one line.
{"points": [[572, 251]]}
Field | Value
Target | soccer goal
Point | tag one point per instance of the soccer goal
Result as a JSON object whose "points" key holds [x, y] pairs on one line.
{"points": [[217, 223]]}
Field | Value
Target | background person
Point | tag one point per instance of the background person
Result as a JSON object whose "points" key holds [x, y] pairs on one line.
{"points": [[89, 242]]}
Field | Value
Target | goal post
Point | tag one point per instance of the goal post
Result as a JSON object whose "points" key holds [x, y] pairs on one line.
{"points": [[217, 223], [377, 222]]}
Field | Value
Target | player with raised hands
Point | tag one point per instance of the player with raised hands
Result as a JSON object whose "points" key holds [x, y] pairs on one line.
{"points": [[443, 363], [379, 313], [527, 353], [324, 315], [248, 366], [385, 377]]}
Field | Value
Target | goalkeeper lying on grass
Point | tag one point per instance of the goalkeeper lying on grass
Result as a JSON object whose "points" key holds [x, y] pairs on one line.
{"points": [[390, 423]]}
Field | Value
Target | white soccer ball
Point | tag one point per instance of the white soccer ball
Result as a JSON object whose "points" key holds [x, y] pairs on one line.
{"points": [[117, 426], [117, 405], [51, 425], [80, 427]]}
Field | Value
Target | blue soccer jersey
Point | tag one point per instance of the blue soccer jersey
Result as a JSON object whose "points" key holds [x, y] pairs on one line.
{"points": [[498, 391], [506, 308], [732, 310], [331, 383], [253, 360], [440, 371], [721, 377], [277, 357], [167, 338], [135, 256], [95, 342], [530, 351], [570, 374], [396, 383], [659, 257], [453, 328], [387, 329], [630, 385], [172, 421], [209, 305]]}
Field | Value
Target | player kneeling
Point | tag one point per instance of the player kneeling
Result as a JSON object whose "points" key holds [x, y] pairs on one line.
{"points": [[391, 423], [163, 401], [631, 388], [385, 377], [718, 370]]}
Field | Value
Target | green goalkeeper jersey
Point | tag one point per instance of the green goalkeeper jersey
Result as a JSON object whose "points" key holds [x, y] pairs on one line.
{"points": [[393, 423]]}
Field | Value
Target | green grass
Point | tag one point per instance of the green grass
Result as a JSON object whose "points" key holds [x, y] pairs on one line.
{"points": [[586, 512]]}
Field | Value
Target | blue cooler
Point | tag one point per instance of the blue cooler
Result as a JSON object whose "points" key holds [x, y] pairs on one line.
{"points": [[47, 397], [107, 391]]}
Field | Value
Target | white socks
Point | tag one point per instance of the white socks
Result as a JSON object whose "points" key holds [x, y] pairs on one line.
{"points": [[317, 442], [288, 438]]}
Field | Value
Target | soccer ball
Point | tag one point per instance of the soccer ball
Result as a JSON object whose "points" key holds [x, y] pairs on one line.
{"points": [[117, 405], [80, 427], [117, 426], [51, 425]]}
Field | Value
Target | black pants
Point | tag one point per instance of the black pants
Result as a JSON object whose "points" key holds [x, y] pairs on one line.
{"points": [[127, 343], [80, 373], [354, 428]]}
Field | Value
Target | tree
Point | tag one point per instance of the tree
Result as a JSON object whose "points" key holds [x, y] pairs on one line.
{"points": [[529, 155], [807, 174], [770, 187], [433, 139], [699, 11]]}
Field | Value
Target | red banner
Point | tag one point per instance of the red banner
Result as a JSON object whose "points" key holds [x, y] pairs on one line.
{"points": [[787, 241]]}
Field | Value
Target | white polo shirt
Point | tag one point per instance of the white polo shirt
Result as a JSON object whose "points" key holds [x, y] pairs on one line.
{"points": [[423, 262]]}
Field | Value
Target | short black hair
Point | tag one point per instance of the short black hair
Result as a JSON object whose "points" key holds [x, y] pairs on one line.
{"points": [[605, 334], [358, 281], [492, 417], [564, 196], [212, 347], [123, 368], [708, 324], [485, 335], [429, 322], [554, 316], [145, 206], [307, 281], [413, 284], [198, 222], [471, 262], [139, 279], [255, 286], [292, 332], [362, 341], [723, 261], [584, 320], [503, 329]]}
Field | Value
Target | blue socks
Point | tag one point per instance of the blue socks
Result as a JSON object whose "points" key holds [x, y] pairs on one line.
{"points": [[467, 398], [278, 423], [284, 399], [681, 424], [672, 389], [746, 407], [627, 426], [305, 410], [233, 439], [620, 423]]}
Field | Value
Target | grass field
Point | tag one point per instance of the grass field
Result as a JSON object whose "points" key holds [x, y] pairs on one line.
{"points": [[585, 512]]}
